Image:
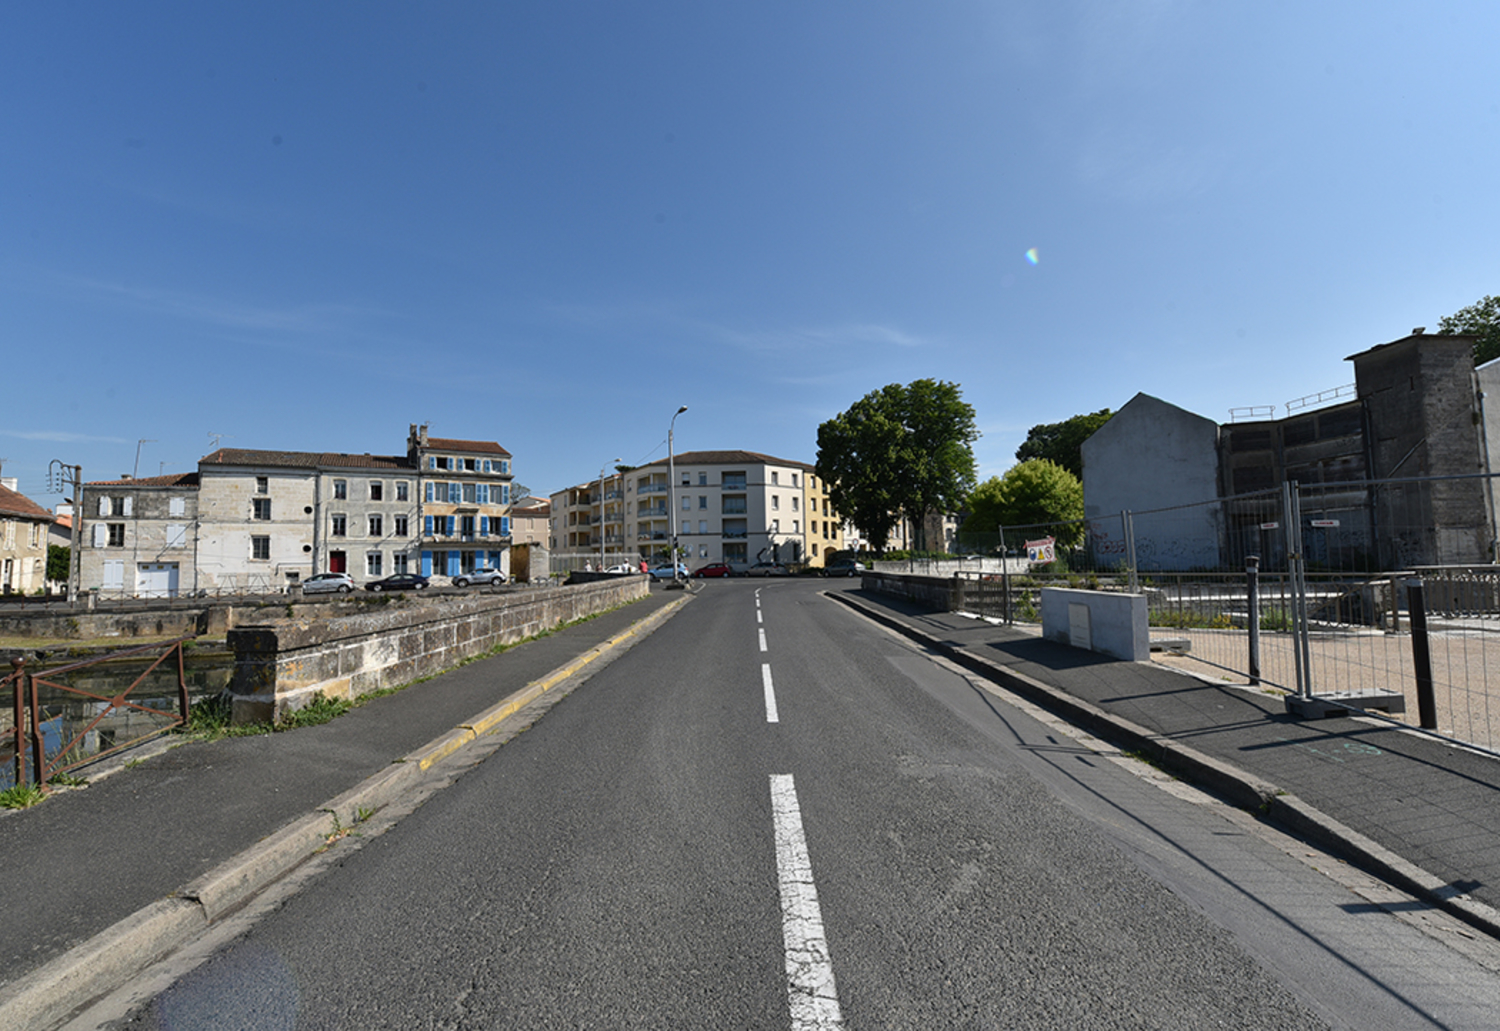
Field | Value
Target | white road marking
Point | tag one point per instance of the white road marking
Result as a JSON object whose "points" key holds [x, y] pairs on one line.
{"points": [[765, 678], [810, 987], [758, 617], [762, 638]]}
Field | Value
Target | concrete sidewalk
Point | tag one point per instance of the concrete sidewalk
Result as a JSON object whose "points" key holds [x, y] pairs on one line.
{"points": [[196, 829], [1409, 808]]}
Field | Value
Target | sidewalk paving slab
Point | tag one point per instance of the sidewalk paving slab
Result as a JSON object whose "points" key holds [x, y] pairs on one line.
{"points": [[1424, 812]]}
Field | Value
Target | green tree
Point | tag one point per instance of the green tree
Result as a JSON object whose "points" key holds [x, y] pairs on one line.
{"points": [[1031, 494], [1480, 320], [59, 562], [898, 451], [1061, 442]]}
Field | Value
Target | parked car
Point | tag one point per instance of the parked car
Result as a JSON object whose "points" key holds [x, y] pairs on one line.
{"points": [[664, 571], [623, 567], [844, 567], [328, 583], [714, 569], [493, 577], [398, 582], [768, 569]]}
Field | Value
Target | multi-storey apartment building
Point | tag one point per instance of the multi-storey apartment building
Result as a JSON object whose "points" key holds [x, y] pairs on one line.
{"points": [[23, 541], [252, 520]]}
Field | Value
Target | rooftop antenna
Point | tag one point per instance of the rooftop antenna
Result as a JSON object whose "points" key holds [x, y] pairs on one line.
{"points": [[217, 437], [136, 470]]}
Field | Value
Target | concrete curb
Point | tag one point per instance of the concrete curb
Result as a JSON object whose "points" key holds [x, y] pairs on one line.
{"points": [[1237, 787], [46, 996]]}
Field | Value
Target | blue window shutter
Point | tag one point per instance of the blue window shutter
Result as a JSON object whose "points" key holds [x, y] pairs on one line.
{"points": [[484, 526], [432, 461], [455, 493], [429, 490], [505, 526], [452, 521], [483, 493], [427, 526], [486, 465], [427, 561], [453, 566], [504, 493]]}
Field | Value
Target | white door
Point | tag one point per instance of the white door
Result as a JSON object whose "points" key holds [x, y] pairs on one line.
{"points": [[156, 580]]}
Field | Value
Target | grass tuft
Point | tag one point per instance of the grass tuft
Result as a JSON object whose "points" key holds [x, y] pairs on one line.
{"points": [[22, 796]]}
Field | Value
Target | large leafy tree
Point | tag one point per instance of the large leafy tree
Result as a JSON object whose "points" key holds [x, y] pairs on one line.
{"points": [[59, 562], [1061, 442], [899, 451], [1481, 320], [1032, 494]]}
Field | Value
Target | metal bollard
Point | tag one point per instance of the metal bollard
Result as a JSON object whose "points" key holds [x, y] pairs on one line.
{"points": [[1421, 656], [19, 665], [1252, 589]]}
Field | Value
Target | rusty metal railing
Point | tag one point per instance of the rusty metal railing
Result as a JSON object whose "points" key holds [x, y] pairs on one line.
{"points": [[29, 714]]}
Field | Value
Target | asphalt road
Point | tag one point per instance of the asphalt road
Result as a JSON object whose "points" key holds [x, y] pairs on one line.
{"points": [[900, 848]]}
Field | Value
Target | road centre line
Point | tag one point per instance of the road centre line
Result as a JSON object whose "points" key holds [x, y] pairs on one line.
{"points": [[762, 638], [758, 618], [765, 679], [810, 985]]}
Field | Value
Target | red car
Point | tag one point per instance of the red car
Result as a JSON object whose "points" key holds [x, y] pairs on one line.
{"points": [[714, 569]]}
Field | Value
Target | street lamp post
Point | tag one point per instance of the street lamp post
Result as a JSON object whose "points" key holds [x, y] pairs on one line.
{"points": [[601, 516], [672, 490]]}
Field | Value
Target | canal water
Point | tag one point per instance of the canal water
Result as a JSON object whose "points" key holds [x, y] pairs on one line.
{"points": [[65, 713]]}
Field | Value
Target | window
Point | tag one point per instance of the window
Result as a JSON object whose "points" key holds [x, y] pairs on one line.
{"points": [[377, 490], [469, 493], [117, 535], [442, 463], [775, 525], [401, 527], [434, 490], [687, 503], [471, 465], [703, 526], [176, 535], [794, 502], [482, 493], [703, 501], [455, 493], [340, 526], [372, 563], [703, 479], [795, 526], [401, 490], [734, 481], [775, 502], [466, 526], [377, 526], [687, 478], [260, 548], [794, 479], [260, 508], [262, 485], [176, 506], [398, 564], [812, 504], [774, 474], [340, 490], [815, 551]]}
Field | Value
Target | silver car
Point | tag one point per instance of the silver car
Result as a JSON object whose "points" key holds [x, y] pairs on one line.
{"points": [[493, 577], [328, 583]]}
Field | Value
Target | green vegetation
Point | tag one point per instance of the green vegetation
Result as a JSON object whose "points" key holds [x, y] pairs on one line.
{"points": [[67, 780], [899, 451], [1276, 619], [1031, 494], [1188, 619], [1061, 443], [1480, 320], [22, 796], [59, 562]]}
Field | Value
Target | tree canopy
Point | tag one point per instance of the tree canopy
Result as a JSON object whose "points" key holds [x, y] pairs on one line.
{"points": [[1061, 442], [1480, 319], [898, 451], [1032, 494]]}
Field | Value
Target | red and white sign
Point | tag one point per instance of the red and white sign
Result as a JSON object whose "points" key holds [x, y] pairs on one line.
{"points": [[1325, 522], [1270, 526], [1044, 550]]}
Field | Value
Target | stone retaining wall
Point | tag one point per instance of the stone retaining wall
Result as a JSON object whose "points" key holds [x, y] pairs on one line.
{"points": [[280, 666], [935, 592]]}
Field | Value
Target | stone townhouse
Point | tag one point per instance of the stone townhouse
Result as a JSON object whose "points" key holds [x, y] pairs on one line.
{"points": [[23, 541], [251, 521]]}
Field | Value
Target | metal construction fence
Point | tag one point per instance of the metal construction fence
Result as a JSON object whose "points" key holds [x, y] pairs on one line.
{"points": [[1368, 594]]}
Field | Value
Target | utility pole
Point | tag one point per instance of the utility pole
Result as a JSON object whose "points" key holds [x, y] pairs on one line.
{"points": [[60, 478]]}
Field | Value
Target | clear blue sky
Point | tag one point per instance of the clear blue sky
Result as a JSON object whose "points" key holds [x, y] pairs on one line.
{"points": [[305, 226]]}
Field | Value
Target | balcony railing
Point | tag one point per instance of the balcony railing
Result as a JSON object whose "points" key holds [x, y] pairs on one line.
{"points": [[736, 534], [732, 509], [657, 512], [652, 488]]}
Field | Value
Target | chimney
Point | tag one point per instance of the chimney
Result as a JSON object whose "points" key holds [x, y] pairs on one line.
{"points": [[1418, 331]]}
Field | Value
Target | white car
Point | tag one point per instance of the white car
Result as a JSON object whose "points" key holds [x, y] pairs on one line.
{"points": [[328, 583], [623, 567], [493, 577]]}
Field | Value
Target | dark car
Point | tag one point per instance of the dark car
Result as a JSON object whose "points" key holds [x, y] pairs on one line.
{"points": [[768, 569], [714, 569], [398, 582], [844, 567]]}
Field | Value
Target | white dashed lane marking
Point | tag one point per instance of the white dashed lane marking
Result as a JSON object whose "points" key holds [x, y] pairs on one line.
{"points": [[809, 970], [765, 678]]}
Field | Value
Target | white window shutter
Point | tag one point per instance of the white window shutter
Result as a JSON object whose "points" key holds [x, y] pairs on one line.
{"points": [[104, 506], [128, 505], [101, 535]]}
